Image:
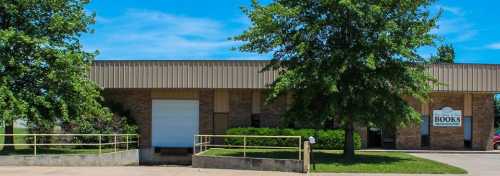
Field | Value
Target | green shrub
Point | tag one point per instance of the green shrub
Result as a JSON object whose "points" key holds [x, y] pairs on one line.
{"points": [[325, 139]]}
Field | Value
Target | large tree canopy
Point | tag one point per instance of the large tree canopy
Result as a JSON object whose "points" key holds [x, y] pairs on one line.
{"points": [[43, 68], [352, 60]]}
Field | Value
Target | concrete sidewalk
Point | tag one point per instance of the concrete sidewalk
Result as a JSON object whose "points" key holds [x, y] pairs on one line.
{"points": [[435, 151], [475, 164], [157, 171]]}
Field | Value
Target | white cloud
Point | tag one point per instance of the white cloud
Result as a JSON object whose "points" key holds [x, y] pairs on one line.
{"points": [[495, 46], [146, 34], [456, 29]]}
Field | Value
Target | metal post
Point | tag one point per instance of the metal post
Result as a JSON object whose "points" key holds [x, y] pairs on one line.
{"points": [[100, 139], [194, 144], [201, 144], [307, 157], [244, 146], [115, 142], [206, 140], [126, 145], [34, 144], [300, 148]]}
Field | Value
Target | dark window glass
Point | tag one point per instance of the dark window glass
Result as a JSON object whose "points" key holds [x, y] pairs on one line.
{"points": [[467, 132], [330, 124], [255, 121], [424, 132]]}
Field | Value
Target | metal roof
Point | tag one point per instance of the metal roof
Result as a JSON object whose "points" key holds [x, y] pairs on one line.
{"points": [[229, 74]]}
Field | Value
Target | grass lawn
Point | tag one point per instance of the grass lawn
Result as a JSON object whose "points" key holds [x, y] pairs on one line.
{"points": [[364, 162]]}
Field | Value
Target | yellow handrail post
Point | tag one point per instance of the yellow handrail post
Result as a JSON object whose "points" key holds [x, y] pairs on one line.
{"points": [[194, 144], [115, 142], [200, 142], [206, 142], [244, 146], [126, 145], [100, 139], [34, 144], [138, 143], [300, 148]]}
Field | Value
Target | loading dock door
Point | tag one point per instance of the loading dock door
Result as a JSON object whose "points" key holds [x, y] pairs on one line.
{"points": [[174, 122]]}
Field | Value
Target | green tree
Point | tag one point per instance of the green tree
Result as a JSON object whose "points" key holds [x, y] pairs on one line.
{"points": [[352, 60], [43, 68], [445, 54]]}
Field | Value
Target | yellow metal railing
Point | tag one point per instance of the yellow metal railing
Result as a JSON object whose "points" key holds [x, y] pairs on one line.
{"points": [[129, 139], [204, 142]]}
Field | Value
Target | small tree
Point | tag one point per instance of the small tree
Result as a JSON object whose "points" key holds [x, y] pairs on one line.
{"points": [[354, 60], [43, 68], [446, 54]]}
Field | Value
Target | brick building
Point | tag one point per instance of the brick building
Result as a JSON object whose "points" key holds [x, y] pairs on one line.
{"points": [[173, 100]]}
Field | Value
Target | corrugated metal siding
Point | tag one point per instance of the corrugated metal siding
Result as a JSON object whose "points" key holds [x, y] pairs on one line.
{"points": [[466, 77], [181, 74], [246, 74]]}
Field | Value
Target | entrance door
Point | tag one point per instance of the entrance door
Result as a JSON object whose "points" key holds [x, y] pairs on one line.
{"points": [[174, 123], [374, 137], [381, 138]]}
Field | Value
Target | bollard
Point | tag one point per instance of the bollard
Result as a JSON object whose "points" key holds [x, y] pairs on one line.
{"points": [[307, 155]]}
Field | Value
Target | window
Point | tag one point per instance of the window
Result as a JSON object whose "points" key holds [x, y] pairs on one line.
{"points": [[424, 132], [467, 132], [255, 121]]}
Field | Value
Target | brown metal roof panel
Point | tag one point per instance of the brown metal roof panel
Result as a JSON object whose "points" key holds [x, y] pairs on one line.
{"points": [[246, 74]]}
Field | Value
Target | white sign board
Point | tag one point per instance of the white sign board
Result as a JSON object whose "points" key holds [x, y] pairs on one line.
{"points": [[447, 117]]}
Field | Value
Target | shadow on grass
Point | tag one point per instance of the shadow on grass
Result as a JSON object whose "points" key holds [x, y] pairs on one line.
{"points": [[359, 158], [264, 154], [320, 157]]}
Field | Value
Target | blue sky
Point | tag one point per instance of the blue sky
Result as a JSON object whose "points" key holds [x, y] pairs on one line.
{"points": [[189, 29]]}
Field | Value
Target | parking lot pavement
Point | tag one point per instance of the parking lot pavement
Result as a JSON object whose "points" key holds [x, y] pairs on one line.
{"points": [[475, 164]]}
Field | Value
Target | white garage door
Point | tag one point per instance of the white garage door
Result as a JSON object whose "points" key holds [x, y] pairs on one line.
{"points": [[174, 122]]}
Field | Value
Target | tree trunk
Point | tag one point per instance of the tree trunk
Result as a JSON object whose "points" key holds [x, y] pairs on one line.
{"points": [[349, 140], [9, 129]]}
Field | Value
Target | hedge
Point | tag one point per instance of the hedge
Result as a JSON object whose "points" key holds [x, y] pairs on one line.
{"points": [[325, 139]]}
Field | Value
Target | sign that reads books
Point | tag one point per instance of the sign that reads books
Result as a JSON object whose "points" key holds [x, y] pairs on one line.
{"points": [[447, 117]]}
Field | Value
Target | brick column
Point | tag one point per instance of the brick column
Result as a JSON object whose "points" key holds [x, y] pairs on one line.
{"points": [[483, 117]]}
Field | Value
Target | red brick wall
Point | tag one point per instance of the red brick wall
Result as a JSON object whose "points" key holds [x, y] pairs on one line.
{"points": [[409, 137], [240, 108], [270, 115], [138, 101], [453, 137], [446, 137], [206, 105], [482, 121]]}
